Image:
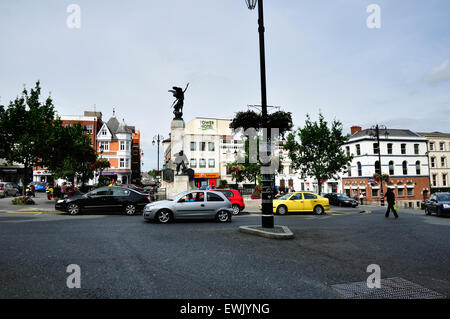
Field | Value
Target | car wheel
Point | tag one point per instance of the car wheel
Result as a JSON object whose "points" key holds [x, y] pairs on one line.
{"points": [[318, 210], [164, 216], [223, 216], [282, 210], [130, 209], [73, 209], [236, 209]]}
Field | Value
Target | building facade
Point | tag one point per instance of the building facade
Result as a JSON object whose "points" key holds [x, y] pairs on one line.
{"points": [[438, 157], [403, 157], [210, 146]]}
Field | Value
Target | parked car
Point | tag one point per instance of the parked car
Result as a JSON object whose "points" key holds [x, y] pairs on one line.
{"points": [[41, 187], [7, 189], [233, 195], [198, 204], [300, 202], [438, 203], [337, 199], [134, 187], [104, 199]]}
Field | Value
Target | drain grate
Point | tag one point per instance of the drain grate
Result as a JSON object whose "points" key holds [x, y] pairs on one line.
{"points": [[391, 288]]}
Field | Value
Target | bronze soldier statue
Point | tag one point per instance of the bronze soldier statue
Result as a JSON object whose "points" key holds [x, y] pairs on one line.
{"points": [[177, 105]]}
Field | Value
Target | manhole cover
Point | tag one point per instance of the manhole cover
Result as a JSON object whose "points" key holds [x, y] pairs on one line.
{"points": [[391, 288]]}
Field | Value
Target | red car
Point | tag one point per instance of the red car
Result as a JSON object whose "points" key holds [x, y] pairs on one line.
{"points": [[237, 202]]}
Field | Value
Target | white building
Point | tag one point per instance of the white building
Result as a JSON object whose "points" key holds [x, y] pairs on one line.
{"points": [[438, 156], [403, 157]]}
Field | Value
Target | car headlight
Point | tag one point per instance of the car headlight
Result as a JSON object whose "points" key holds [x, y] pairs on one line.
{"points": [[60, 201], [446, 205]]}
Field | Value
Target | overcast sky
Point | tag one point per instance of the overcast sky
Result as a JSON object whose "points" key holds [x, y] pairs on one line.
{"points": [[320, 55]]}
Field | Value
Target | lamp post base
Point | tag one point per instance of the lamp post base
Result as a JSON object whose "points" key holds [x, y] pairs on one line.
{"points": [[267, 221]]}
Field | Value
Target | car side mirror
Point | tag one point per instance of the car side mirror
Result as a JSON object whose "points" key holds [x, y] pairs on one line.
{"points": [[181, 200]]}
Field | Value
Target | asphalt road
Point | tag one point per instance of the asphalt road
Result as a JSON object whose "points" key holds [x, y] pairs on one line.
{"points": [[125, 257]]}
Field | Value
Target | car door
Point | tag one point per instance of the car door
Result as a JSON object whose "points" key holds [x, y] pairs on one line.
{"points": [[118, 198], [433, 204], [214, 202], [296, 203], [96, 200], [310, 200], [191, 209]]}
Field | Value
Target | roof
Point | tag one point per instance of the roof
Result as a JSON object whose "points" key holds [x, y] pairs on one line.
{"points": [[122, 128], [434, 134], [113, 124], [390, 132]]}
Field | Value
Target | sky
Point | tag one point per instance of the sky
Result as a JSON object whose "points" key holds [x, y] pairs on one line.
{"points": [[321, 56]]}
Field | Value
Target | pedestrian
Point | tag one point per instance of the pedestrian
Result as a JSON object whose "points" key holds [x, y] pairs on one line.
{"points": [[361, 198], [63, 189], [390, 197]]}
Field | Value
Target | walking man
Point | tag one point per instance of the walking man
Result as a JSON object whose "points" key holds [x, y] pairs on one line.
{"points": [[361, 198], [390, 197]]}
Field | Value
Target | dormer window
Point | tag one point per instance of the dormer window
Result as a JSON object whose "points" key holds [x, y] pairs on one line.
{"points": [[104, 133]]}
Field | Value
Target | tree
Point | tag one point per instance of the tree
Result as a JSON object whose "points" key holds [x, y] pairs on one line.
{"points": [[24, 129], [318, 152]]}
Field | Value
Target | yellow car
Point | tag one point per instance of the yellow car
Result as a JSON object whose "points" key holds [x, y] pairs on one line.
{"points": [[301, 202]]}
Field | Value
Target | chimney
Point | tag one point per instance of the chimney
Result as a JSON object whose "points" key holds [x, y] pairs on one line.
{"points": [[355, 129]]}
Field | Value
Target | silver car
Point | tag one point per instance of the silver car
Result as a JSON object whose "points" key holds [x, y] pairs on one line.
{"points": [[8, 189], [197, 204]]}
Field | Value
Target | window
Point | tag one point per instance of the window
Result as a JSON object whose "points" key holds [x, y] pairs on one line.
{"points": [[228, 194], [122, 145], [433, 162], [359, 169], [401, 191], [377, 167], [376, 149], [192, 146], [416, 149], [202, 146], [418, 168], [349, 171], [389, 148], [431, 146], [211, 146], [104, 132], [409, 191], [403, 148], [358, 149], [211, 197], [90, 128], [211, 163], [441, 146], [202, 163], [309, 196], [405, 167], [105, 145], [391, 168], [99, 191], [122, 163], [444, 179], [127, 163], [347, 149], [434, 180], [193, 163], [374, 192], [67, 125], [442, 161], [128, 145], [297, 196], [291, 170], [120, 192]]}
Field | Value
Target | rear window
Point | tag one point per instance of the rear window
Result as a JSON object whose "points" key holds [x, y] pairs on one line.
{"points": [[310, 196], [227, 193], [211, 197], [120, 192]]}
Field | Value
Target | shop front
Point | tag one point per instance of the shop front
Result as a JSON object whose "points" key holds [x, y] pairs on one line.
{"points": [[42, 176], [205, 179]]}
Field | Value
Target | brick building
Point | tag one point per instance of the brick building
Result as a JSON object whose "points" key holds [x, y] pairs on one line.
{"points": [[403, 157]]}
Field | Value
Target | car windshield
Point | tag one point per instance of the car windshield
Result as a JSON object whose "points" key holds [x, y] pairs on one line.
{"points": [[443, 197], [342, 196], [285, 196]]}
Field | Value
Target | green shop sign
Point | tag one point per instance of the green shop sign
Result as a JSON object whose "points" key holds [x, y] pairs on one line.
{"points": [[206, 125]]}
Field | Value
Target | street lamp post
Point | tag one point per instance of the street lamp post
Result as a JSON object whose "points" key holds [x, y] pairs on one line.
{"points": [[267, 179], [376, 133], [101, 157], [157, 139]]}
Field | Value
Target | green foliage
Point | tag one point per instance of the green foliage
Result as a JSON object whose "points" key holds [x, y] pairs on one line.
{"points": [[317, 153], [223, 183], [104, 181], [31, 135], [22, 200], [384, 177], [250, 119]]}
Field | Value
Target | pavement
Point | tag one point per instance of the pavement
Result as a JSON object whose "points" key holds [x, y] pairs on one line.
{"points": [[125, 257], [42, 204]]}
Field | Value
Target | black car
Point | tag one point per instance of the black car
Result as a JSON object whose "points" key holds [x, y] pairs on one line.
{"points": [[341, 200], [105, 199], [438, 203]]}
